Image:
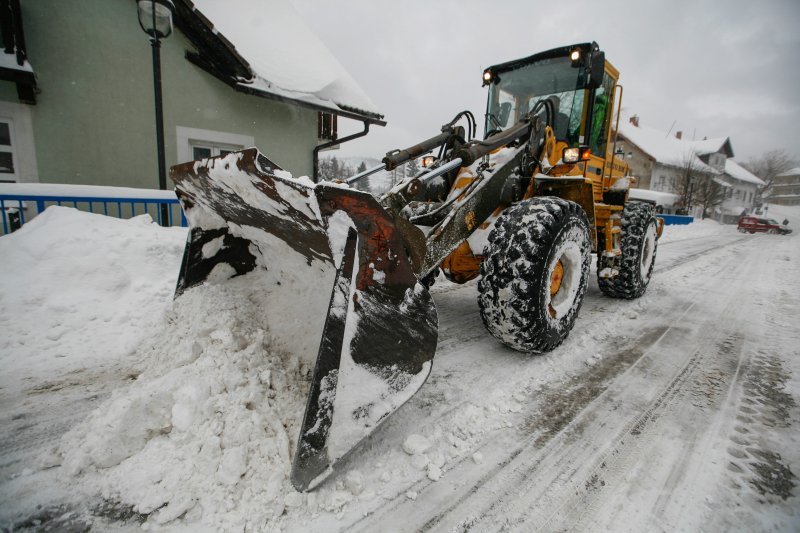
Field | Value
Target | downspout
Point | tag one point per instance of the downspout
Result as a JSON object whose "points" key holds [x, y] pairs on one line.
{"points": [[334, 143]]}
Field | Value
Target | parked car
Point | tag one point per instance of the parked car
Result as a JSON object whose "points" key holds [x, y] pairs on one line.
{"points": [[762, 225]]}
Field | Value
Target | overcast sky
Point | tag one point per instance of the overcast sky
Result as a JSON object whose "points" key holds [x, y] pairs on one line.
{"points": [[713, 68]]}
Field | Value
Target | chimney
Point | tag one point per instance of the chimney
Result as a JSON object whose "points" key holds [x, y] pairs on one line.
{"points": [[634, 120], [678, 135]]}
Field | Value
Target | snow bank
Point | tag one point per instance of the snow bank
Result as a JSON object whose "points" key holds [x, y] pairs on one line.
{"points": [[79, 290], [698, 228], [83, 191], [206, 432]]}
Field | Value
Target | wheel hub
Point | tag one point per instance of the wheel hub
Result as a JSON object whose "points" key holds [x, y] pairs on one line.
{"points": [[556, 277]]}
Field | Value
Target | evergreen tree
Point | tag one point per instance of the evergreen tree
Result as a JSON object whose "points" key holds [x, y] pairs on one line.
{"points": [[412, 168], [361, 168], [336, 168]]}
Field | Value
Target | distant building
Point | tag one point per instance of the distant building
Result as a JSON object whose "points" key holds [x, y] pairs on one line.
{"points": [[785, 188], [76, 89], [671, 164]]}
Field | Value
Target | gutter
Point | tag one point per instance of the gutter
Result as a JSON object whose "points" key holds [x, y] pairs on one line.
{"points": [[336, 142]]}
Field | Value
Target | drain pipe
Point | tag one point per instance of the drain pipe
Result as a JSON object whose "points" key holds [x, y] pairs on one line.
{"points": [[334, 143]]}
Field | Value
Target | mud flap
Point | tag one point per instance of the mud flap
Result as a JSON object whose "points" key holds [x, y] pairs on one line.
{"points": [[380, 330]]}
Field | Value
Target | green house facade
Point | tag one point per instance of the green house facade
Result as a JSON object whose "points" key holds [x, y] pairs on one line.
{"points": [[77, 98]]}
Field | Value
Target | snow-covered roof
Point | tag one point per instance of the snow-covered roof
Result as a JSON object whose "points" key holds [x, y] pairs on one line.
{"points": [[736, 171], [710, 146], [285, 58], [722, 182], [664, 148], [792, 172]]}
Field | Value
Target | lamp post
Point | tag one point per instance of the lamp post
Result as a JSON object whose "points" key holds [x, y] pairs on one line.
{"points": [[155, 18]]}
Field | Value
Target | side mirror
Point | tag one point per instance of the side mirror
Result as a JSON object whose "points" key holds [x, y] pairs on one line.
{"points": [[597, 70]]}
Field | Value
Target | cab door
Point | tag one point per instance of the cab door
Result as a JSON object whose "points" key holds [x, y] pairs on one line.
{"points": [[600, 131]]}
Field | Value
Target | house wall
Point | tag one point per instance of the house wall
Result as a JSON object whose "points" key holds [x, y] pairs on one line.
{"points": [[785, 190], [666, 179], [94, 121], [8, 91], [741, 196], [641, 164]]}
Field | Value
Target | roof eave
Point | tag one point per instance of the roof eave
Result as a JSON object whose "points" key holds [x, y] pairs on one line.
{"points": [[339, 111]]}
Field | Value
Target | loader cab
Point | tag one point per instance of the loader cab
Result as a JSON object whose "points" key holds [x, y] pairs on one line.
{"points": [[578, 81]]}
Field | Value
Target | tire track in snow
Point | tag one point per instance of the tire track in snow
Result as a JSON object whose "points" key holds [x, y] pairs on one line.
{"points": [[465, 477], [693, 405]]}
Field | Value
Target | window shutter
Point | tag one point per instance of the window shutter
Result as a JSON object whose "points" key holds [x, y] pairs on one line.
{"points": [[327, 126]]}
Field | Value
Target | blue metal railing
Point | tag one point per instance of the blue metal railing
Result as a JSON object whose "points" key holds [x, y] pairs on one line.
{"points": [[119, 207]]}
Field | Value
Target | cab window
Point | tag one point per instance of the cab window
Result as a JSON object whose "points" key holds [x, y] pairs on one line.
{"points": [[601, 114]]}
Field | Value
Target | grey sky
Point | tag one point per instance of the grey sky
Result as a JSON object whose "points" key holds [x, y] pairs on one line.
{"points": [[715, 68]]}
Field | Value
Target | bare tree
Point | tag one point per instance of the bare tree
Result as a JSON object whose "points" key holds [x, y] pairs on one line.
{"points": [[688, 173], [707, 193], [770, 164], [696, 185]]}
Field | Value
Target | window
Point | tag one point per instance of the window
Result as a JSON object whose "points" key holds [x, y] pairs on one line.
{"points": [[17, 147], [202, 149], [601, 115], [7, 156], [195, 143], [516, 92]]}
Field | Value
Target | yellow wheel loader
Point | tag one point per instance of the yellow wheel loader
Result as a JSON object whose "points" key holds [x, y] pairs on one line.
{"points": [[523, 209]]}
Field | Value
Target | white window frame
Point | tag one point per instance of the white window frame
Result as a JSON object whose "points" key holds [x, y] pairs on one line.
{"points": [[188, 138], [23, 150], [10, 176]]}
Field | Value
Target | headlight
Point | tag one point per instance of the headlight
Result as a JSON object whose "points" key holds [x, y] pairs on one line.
{"points": [[575, 55], [428, 161], [571, 155]]}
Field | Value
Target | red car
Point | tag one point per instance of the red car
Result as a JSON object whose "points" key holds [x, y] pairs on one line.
{"points": [[761, 225]]}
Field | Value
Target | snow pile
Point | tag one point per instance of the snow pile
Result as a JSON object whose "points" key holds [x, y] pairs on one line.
{"points": [[79, 290], [208, 427], [698, 228]]}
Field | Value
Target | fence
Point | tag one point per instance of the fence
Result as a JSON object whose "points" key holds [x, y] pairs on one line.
{"points": [[22, 201], [16, 200]]}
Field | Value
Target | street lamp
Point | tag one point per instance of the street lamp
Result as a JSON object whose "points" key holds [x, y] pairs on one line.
{"points": [[155, 18]]}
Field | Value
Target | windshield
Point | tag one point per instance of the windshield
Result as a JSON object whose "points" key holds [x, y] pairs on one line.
{"points": [[519, 90]]}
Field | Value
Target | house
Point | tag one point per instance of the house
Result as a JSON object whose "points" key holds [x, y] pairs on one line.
{"points": [[701, 173], [77, 98], [785, 188]]}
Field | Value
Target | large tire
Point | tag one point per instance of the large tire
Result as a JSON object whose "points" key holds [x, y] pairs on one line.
{"points": [[534, 273], [638, 242]]}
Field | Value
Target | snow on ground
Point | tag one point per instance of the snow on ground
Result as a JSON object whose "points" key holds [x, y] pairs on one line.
{"points": [[196, 426], [78, 290]]}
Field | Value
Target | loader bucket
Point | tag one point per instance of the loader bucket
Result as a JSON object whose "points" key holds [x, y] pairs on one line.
{"points": [[379, 330]]}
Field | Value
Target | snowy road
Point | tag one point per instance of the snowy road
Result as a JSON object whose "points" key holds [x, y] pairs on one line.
{"points": [[651, 436], [677, 411]]}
